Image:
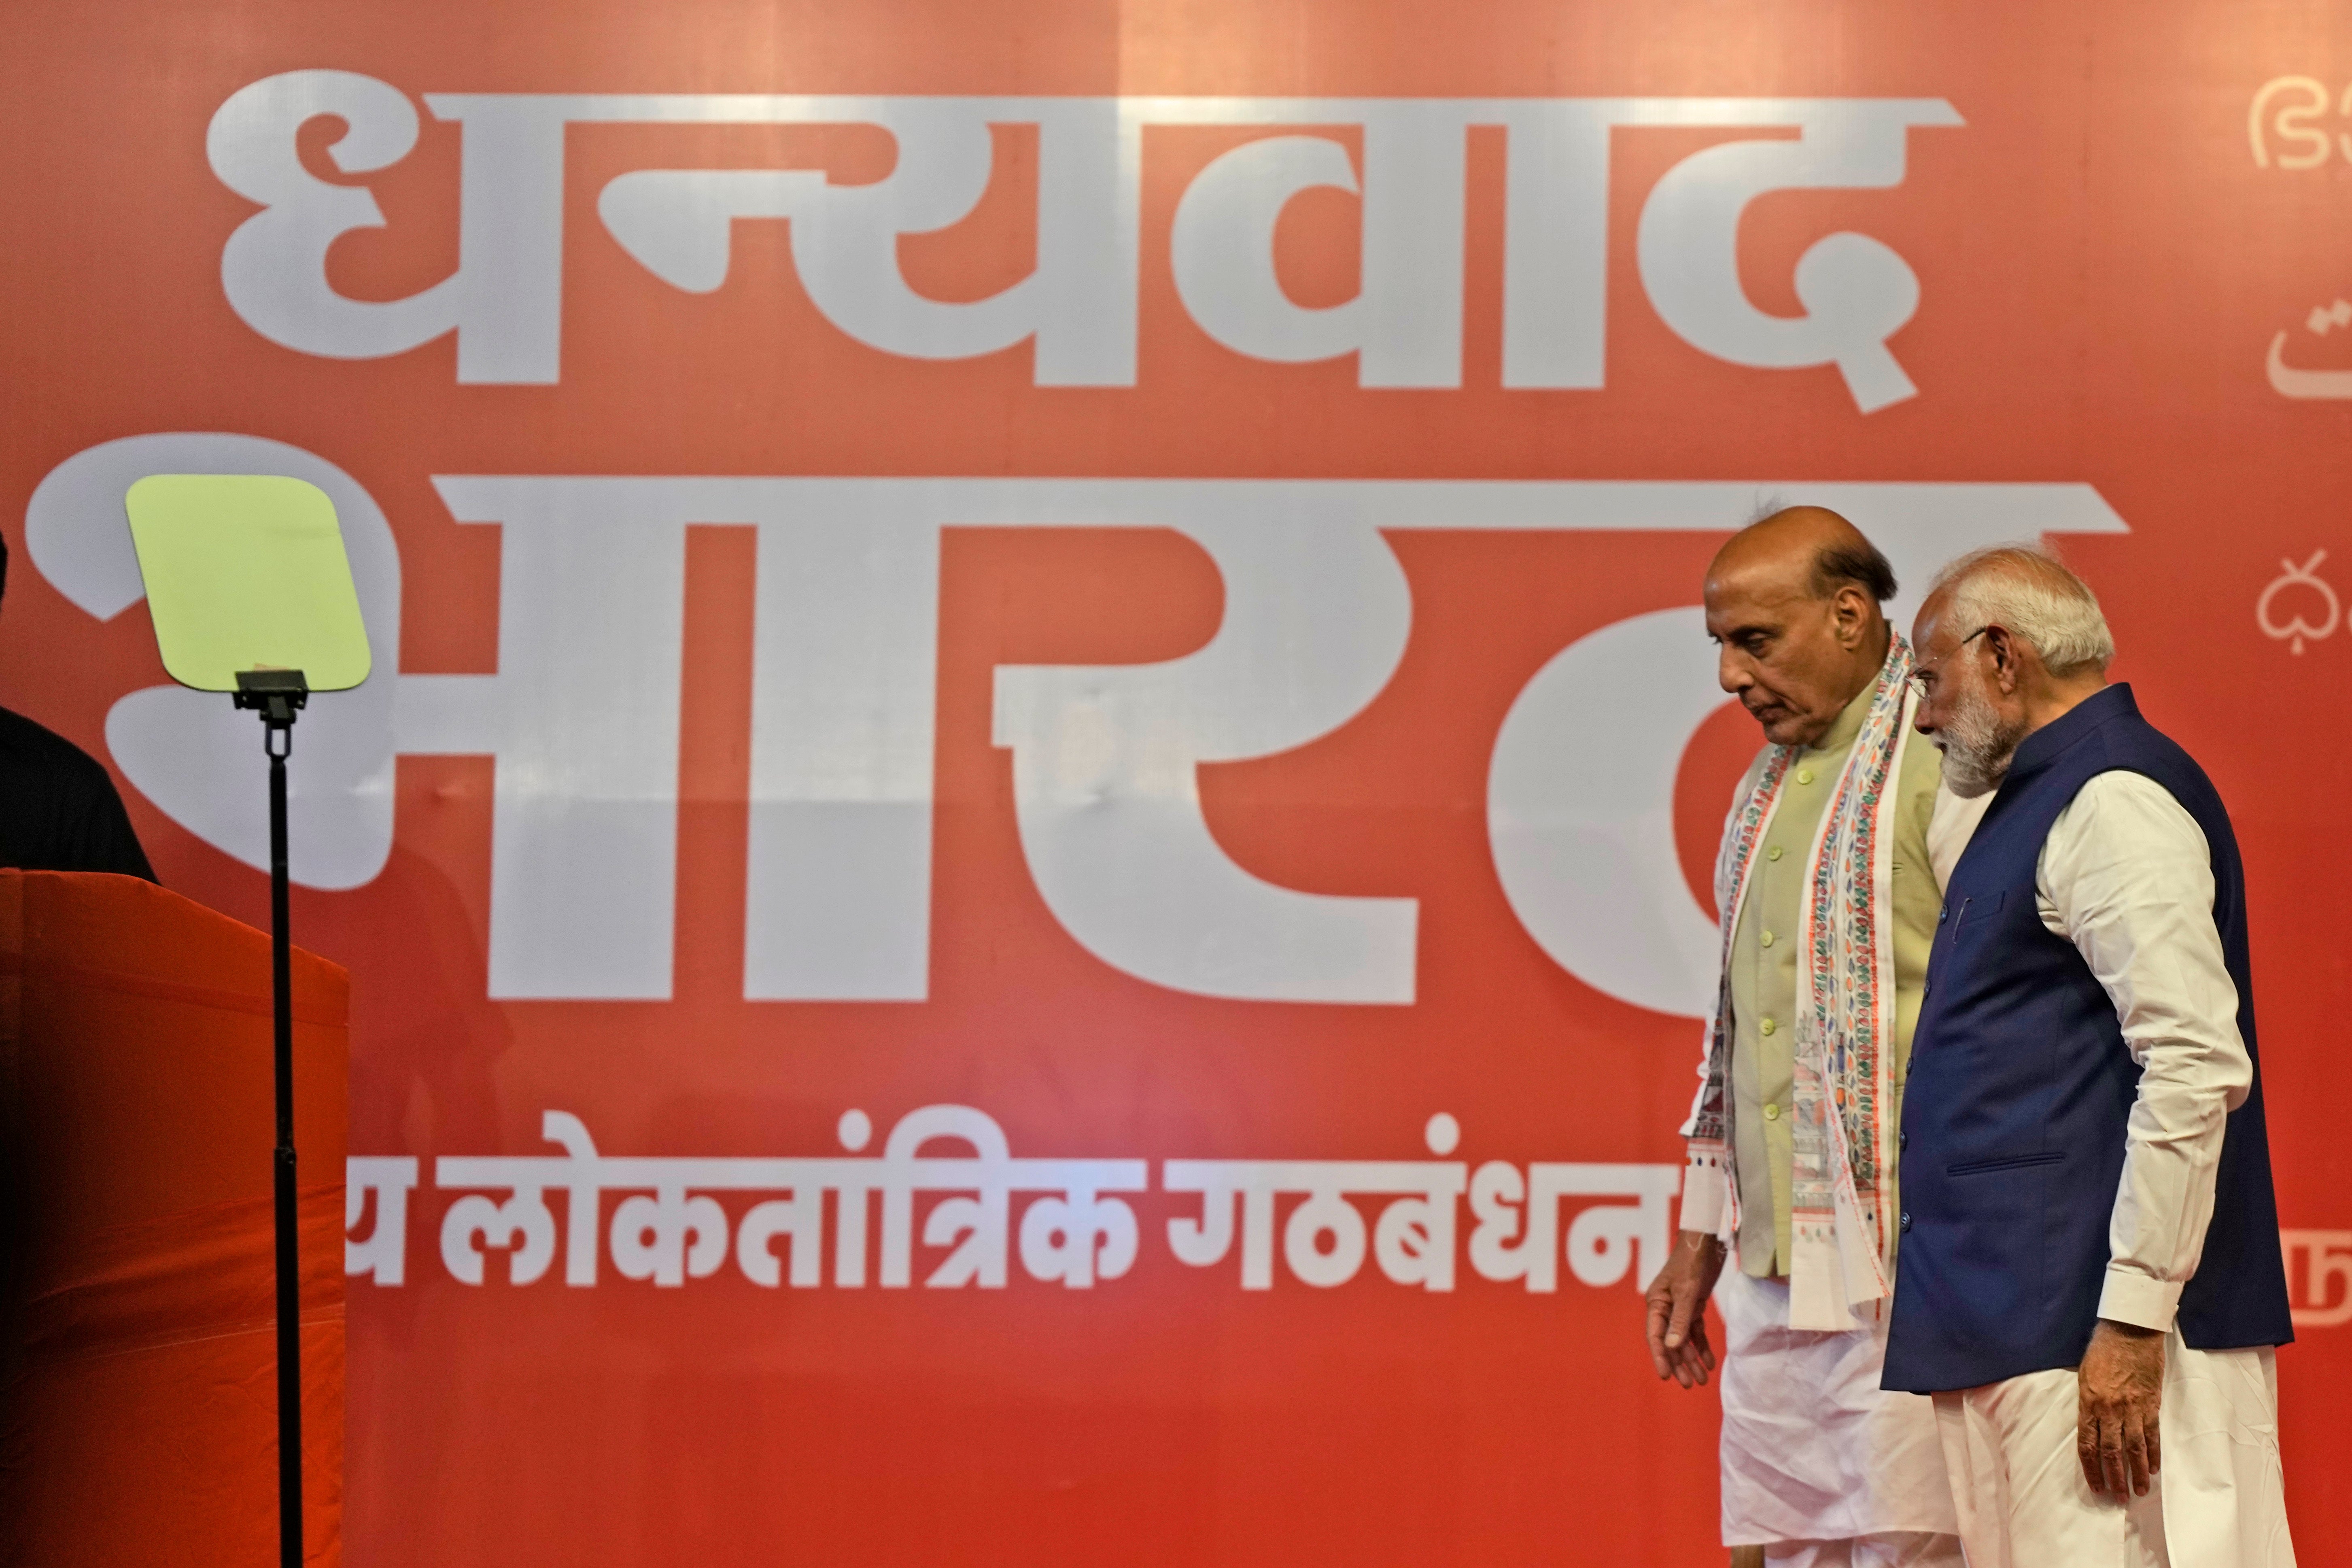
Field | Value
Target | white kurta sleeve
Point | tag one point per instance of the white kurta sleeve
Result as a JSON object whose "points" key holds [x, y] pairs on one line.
{"points": [[2125, 876], [1950, 826], [1707, 1193], [1706, 1171]]}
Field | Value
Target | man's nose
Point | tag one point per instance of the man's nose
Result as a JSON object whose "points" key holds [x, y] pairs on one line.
{"points": [[1731, 671]]}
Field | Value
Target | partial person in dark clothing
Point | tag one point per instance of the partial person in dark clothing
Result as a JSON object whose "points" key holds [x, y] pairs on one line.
{"points": [[58, 808]]}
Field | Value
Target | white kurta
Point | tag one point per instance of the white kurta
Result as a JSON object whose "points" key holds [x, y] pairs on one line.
{"points": [[2126, 875]]}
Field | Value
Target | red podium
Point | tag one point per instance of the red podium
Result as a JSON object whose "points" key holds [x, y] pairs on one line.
{"points": [[138, 1381]]}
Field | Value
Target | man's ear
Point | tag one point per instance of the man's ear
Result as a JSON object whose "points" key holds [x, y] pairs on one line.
{"points": [[2008, 668], [1850, 607]]}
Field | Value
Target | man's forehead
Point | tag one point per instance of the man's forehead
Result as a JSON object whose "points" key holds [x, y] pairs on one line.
{"points": [[1747, 597], [1928, 626]]}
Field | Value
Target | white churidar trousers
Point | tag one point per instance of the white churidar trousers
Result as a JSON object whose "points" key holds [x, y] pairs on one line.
{"points": [[1821, 1466], [2218, 1500]]}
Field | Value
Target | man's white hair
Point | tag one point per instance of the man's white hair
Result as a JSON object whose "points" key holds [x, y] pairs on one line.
{"points": [[2029, 593]]}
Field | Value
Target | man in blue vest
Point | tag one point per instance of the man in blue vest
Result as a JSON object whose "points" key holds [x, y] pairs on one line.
{"points": [[2089, 1279]]}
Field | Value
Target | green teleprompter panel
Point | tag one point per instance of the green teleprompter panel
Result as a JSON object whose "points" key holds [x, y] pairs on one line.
{"points": [[246, 572]]}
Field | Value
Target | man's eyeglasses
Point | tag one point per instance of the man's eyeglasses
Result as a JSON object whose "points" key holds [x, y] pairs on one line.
{"points": [[1923, 679]]}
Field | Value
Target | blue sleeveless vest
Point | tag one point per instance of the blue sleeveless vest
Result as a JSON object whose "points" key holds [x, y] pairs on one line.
{"points": [[2020, 1088]]}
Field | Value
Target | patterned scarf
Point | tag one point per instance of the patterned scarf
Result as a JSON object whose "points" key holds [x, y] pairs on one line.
{"points": [[1842, 1195]]}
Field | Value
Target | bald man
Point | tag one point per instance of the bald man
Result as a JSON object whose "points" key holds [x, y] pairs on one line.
{"points": [[2091, 1280], [1828, 893]]}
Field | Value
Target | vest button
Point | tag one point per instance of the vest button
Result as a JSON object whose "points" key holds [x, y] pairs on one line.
{"points": [[1771, 1111], [1766, 939], [1773, 853], [1902, 1141], [1767, 1026], [1943, 914], [1805, 775], [1906, 1222]]}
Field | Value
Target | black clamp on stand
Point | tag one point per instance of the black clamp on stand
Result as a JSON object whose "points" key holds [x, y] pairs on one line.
{"points": [[278, 695]]}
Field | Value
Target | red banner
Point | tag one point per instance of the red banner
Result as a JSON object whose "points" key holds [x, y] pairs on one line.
{"points": [[1024, 871]]}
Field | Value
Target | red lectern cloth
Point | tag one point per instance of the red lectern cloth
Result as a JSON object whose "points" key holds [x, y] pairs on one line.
{"points": [[138, 1392]]}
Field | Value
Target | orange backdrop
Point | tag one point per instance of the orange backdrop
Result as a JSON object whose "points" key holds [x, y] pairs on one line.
{"points": [[2123, 228]]}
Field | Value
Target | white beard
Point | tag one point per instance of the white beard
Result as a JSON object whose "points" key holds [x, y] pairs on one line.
{"points": [[1977, 745]]}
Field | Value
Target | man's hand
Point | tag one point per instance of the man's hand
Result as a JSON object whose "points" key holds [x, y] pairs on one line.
{"points": [[1677, 1317], [2119, 1386]]}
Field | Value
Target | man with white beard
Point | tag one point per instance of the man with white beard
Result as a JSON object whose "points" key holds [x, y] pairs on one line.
{"points": [[1828, 883], [2090, 1280]]}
